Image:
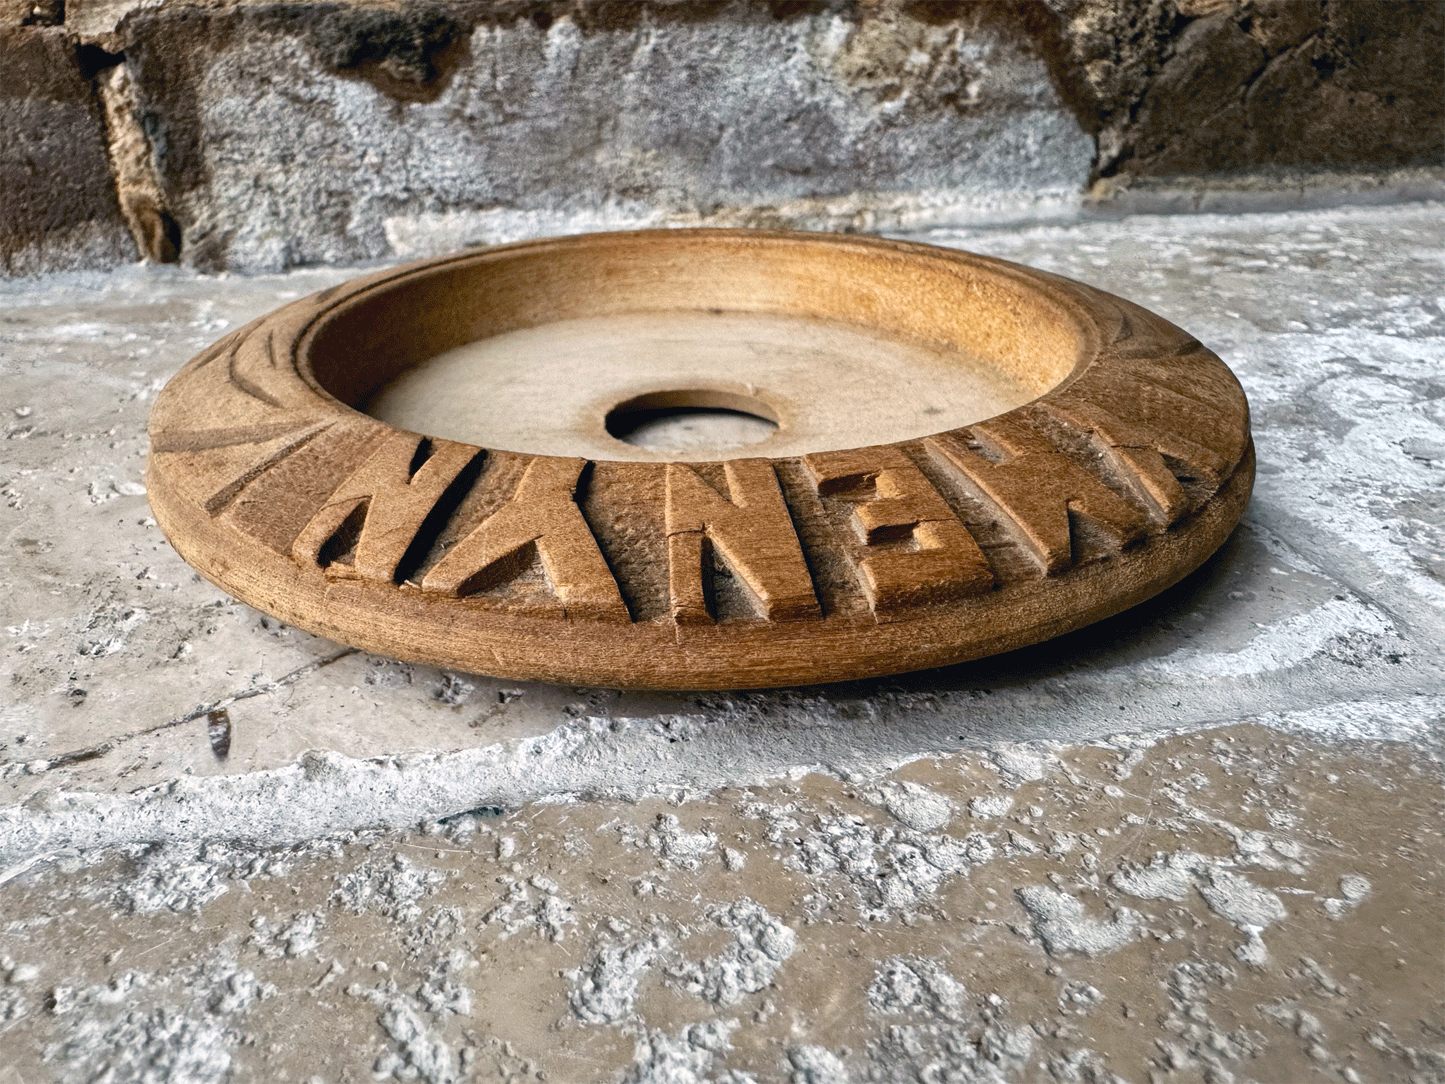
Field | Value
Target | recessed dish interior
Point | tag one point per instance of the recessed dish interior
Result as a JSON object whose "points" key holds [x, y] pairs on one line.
{"points": [[836, 342]]}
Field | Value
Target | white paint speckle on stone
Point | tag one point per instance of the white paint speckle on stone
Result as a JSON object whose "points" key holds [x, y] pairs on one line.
{"points": [[993, 806], [1064, 926], [918, 807]]}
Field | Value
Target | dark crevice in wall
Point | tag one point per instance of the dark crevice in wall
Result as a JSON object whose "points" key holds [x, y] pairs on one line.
{"points": [[408, 54], [92, 60], [131, 146]]}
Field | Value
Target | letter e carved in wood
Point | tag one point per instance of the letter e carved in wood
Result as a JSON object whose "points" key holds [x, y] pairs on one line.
{"points": [[542, 512], [753, 532], [893, 501], [380, 510]]}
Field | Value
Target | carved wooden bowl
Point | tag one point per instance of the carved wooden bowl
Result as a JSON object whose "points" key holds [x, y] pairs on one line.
{"points": [[894, 520]]}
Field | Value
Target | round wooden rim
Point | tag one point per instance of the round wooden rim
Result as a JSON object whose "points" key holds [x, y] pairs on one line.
{"points": [[1127, 471]]}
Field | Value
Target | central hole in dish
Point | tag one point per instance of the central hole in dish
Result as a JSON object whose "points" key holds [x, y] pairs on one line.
{"points": [[691, 421]]}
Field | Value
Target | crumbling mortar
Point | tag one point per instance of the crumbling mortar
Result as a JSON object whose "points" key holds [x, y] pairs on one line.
{"points": [[133, 166]]}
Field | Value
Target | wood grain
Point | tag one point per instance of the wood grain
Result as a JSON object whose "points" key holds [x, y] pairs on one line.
{"points": [[1129, 467]]}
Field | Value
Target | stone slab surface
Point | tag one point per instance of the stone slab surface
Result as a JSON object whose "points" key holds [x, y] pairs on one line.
{"points": [[1273, 88], [1233, 905], [1198, 841]]}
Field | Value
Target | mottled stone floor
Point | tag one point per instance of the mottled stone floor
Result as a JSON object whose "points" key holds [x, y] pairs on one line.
{"points": [[1201, 841]]}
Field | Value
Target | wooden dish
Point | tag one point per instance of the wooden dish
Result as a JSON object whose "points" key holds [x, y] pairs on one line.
{"points": [[889, 530]]}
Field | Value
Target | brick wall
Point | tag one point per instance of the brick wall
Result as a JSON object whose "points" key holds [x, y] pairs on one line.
{"points": [[256, 136]]}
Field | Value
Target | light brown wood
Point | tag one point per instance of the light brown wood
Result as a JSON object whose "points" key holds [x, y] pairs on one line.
{"points": [[1125, 465]]}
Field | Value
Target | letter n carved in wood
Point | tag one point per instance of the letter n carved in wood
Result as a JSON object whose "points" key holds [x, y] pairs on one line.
{"points": [[753, 532], [543, 513], [894, 502]]}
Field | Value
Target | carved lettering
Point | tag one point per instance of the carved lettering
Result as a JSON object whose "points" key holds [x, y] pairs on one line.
{"points": [[752, 531], [379, 513], [1132, 455], [1207, 438], [894, 502], [541, 513], [1036, 489]]}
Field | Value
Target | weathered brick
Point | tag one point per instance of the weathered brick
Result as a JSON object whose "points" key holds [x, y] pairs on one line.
{"points": [[320, 132], [1288, 89], [58, 205]]}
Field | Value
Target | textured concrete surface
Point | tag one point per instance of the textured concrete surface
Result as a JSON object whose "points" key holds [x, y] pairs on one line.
{"points": [[1234, 905], [1201, 841]]}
